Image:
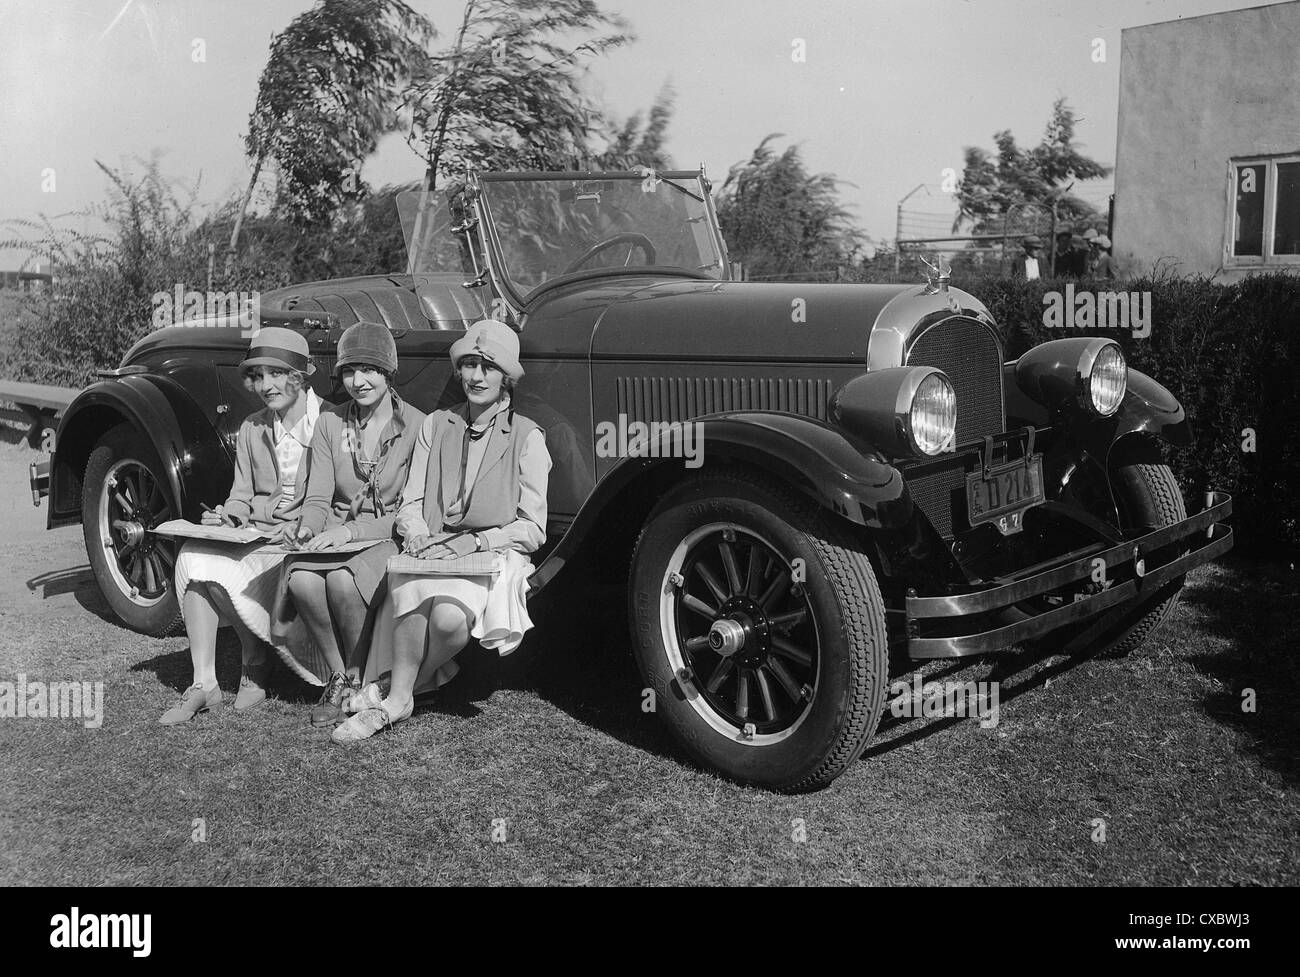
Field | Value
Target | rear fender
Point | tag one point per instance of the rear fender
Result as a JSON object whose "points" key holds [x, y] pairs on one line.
{"points": [[194, 459]]}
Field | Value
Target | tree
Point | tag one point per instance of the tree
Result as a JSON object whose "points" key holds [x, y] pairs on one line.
{"points": [[507, 94], [783, 222], [330, 89], [1026, 179], [639, 140]]}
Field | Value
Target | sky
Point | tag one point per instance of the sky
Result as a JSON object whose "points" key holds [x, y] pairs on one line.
{"points": [[885, 97]]}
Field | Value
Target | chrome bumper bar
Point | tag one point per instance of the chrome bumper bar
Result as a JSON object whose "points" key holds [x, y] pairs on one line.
{"points": [[1129, 556]]}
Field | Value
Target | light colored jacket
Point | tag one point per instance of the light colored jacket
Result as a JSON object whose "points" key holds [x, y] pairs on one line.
{"points": [[507, 504], [337, 491], [257, 489]]}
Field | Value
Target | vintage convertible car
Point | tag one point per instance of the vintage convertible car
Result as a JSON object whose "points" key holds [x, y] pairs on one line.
{"points": [[795, 479]]}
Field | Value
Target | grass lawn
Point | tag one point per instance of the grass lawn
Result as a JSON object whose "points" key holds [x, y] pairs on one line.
{"points": [[551, 746]]}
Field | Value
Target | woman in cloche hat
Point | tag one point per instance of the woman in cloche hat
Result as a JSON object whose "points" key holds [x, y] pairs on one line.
{"points": [[361, 455], [477, 485], [224, 583]]}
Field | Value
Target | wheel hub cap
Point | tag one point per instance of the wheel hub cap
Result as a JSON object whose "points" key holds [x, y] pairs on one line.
{"points": [[726, 637], [130, 533]]}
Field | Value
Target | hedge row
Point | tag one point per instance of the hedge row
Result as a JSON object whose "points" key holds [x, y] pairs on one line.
{"points": [[1231, 354]]}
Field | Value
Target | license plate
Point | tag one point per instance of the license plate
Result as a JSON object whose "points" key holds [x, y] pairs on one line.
{"points": [[1003, 496]]}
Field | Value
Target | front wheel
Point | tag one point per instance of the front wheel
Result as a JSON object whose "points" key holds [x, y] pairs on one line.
{"points": [[1148, 498], [123, 498], [760, 626]]}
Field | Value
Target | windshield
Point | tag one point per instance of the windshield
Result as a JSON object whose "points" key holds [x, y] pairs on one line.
{"points": [[551, 226]]}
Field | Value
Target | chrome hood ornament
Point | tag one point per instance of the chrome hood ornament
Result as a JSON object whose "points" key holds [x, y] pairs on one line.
{"points": [[937, 279]]}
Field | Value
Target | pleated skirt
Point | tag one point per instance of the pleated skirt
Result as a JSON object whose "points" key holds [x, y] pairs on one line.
{"points": [[252, 578]]}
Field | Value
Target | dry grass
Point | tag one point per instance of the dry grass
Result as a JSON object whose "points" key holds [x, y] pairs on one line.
{"points": [[591, 790]]}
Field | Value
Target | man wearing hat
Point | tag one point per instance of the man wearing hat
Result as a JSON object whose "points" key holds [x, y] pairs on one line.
{"points": [[1101, 264], [1026, 266], [476, 496]]}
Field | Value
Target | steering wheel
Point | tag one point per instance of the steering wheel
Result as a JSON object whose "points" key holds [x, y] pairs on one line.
{"points": [[627, 237]]}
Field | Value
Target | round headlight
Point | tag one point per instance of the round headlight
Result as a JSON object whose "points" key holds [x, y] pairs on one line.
{"points": [[1108, 380], [932, 419]]}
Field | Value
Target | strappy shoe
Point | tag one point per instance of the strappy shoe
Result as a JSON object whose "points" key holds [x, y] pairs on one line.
{"points": [[366, 724], [369, 697], [195, 699]]}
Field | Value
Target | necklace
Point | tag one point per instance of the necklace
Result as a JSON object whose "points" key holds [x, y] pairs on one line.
{"points": [[476, 435]]}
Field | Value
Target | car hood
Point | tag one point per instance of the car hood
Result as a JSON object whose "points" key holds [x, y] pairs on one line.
{"points": [[759, 321]]}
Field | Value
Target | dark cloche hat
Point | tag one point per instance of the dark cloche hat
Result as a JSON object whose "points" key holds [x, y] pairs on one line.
{"points": [[367, 344]]}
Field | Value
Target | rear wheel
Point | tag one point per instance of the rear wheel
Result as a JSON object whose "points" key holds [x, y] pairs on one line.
{"points": [[760, 626], [124, 497]]}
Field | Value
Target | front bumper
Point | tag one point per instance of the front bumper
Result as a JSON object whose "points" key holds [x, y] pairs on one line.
{"points": [[940, 627]]}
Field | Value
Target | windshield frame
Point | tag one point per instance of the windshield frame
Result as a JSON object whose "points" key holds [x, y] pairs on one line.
{"points": [[494, 251]]}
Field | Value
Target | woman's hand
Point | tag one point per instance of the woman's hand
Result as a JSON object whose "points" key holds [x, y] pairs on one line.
{"points": [[329, 539], [284, 536], [417, 543], [214, 517], [426, 548]]}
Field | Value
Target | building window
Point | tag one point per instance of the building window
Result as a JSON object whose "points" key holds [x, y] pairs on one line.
{"points": [[1264, 225]]}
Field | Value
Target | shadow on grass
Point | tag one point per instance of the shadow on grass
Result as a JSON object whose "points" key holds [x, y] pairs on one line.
{"points": [[67, 581], [1253, 607], [1002, 668], [579, 659], [175, 670]]}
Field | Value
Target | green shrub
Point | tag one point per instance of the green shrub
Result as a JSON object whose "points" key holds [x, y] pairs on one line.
{"points": [[102, 298]]}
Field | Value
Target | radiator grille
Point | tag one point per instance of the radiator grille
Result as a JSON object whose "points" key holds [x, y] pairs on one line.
{"points": [[681, 398], [941, 493], [968, 353], [971, 357]]}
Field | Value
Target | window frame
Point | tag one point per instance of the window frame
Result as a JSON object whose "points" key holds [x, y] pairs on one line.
{"points": [[1269, 162]]}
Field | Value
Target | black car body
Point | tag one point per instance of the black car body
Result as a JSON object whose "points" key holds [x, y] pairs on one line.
{"points": [[836, 509]]}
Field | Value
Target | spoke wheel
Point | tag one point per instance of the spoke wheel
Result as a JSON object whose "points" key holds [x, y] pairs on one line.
{"points": [[744, 629], [757, 620], [124, 498]]}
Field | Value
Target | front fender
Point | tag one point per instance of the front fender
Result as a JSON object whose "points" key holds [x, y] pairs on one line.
{"points": [[831, 467], [837, 470], [1148, 408], [185, 440]]}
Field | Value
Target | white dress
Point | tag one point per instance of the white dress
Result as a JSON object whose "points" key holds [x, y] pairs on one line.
{"points": [[249, 574], [494, 606]]}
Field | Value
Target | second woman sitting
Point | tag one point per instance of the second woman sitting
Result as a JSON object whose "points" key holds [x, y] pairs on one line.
{"points": [[361, 455]]}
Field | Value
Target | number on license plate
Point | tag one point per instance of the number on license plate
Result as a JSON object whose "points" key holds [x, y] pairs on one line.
{"points": [[1004, 494]]}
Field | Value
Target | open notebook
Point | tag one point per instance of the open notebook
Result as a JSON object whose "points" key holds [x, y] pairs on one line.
{"points": [[216, 534]]}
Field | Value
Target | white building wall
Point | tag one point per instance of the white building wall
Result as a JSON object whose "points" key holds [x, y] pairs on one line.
{"points": [[1194, 94]]}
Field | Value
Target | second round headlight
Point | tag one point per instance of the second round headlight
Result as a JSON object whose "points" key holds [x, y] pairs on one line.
{"points": [[1108, 380]]}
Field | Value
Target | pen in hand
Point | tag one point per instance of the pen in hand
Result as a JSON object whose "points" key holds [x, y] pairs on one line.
{"points": [[225, 519]]}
